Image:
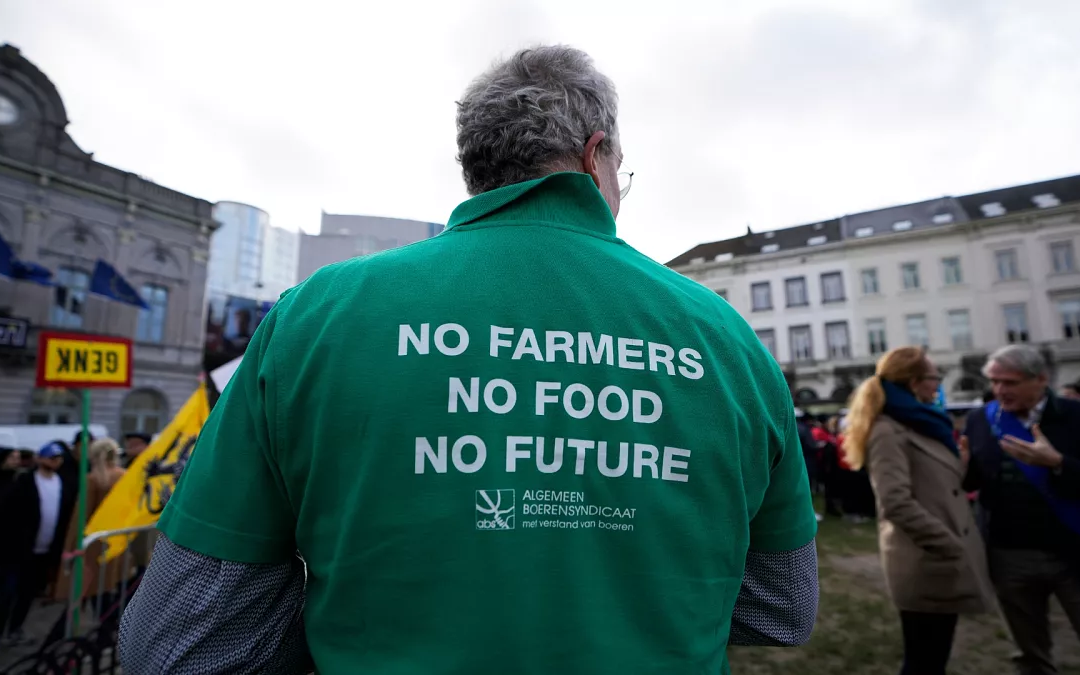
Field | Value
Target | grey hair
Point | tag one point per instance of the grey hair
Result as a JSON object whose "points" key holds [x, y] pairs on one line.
{"points": [[531, 115], [1018, 358]]}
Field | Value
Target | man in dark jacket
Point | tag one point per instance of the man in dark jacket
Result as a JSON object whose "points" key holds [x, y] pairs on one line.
{"points": [[1025, 461], [40, 505], [134, 445]]}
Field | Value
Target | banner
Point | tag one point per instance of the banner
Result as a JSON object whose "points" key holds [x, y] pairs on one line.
{"points": [[140, 496], [230, 323]]}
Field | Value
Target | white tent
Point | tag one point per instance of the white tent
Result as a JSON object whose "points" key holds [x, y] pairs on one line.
{"points": [[33, 436]]}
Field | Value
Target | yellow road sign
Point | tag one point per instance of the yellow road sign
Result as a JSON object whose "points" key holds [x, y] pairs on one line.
{"points": [[82, 361]]}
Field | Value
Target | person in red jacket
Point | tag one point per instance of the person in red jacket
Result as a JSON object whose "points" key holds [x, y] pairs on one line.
{"points": [[828, 460], [856, 494]]}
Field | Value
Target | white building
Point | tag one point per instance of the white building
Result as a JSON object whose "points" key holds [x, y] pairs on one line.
{"points": [[249, 258], [281, 255], [962, 276]]}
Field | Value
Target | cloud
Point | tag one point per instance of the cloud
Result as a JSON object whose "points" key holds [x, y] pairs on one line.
{"points": [[806, 113], [768, 112]]}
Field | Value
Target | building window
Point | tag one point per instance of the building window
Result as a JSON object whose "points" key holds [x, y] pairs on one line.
{"points": [[802, 344], [70, 297], [951, 270], [53, 406], [910, 276], [1046, 200], [918, 334], [1016, 325], [722, 292], [761, 296], [836, 338], [795, 291], [768, 338], [1007, 266], [875, 333], [832, 287], [960, 329], [1061, 252], [869, 282], [1070, 317], [144, 411], [151, 326]]}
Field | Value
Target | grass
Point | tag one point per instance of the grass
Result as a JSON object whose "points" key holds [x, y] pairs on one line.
{"points": [[858, 630]]}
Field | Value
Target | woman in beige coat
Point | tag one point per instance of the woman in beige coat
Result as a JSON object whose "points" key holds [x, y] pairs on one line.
{"points": [[931, 551], [105, 472]]}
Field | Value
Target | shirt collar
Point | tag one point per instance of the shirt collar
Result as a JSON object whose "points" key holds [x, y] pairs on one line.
{"points": [[1036, 414], [565, 199]]}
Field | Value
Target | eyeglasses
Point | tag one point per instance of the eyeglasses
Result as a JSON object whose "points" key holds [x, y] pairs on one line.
{"points": [[626, 178]]}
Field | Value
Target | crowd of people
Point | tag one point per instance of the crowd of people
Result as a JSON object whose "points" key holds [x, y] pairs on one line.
{"points": [[39, 497], [846, 490]]}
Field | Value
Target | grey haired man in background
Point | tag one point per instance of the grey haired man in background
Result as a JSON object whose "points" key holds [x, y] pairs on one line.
{"points": [[1025, 462]]}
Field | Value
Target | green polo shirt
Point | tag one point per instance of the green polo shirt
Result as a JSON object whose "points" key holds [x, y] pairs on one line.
{"points": [[518, 447]]}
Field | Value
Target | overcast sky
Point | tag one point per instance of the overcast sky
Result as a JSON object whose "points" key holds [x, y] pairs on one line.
{"points": [[765, 112]]}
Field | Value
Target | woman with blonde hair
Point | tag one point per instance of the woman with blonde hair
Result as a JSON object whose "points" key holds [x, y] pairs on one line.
{"points": [[105, 472], [931, 551]]}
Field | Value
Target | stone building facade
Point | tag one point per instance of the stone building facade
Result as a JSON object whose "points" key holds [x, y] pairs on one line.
{"points": [[63, 210], [959, 275]]}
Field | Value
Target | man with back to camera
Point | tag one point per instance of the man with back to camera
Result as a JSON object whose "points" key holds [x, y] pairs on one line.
{"points": [[518, 447], [1025, 462]]}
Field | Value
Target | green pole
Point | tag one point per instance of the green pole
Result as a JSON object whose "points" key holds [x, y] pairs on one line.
{"points": [[84, 465]]}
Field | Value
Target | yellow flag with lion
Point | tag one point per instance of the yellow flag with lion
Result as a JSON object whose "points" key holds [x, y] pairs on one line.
{"points": [[140, 496]]}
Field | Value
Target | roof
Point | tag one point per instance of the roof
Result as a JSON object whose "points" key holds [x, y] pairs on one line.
{"points": [[751, 243], [13, 64], [1044, 194], [917, 216], [938, 212], [39, 139]]}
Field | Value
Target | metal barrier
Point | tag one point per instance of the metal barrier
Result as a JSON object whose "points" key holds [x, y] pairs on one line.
{"points": [[71, 651], [125, 575]]}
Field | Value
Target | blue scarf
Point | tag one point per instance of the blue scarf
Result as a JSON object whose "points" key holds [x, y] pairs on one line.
{"points": [[925, 420], [1004, 423]]}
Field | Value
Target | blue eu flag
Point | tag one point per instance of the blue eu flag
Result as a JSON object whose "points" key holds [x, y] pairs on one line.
{"points": [[940, 400], [13, 268], [108, 282]]}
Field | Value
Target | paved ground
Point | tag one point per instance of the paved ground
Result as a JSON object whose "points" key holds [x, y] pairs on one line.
{"points": [[38, 624]]}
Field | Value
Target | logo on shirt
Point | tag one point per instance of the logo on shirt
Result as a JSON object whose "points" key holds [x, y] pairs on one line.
{"points": [[495, 509]]}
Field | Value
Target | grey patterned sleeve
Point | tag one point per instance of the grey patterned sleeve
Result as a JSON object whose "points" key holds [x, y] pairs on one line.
{"points": [[778, 601], [195, 614]]}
